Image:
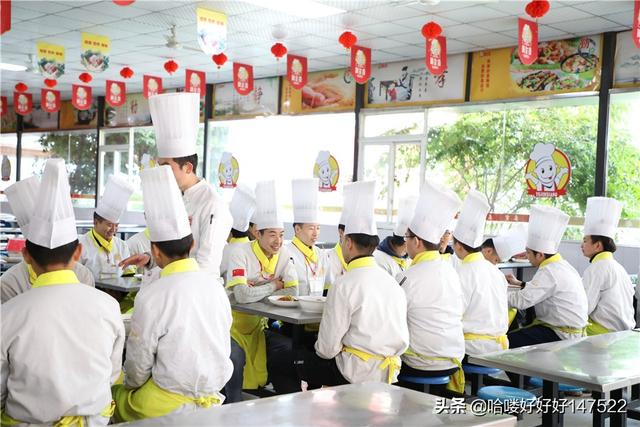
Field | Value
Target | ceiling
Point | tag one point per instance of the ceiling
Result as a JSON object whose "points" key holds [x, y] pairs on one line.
{"points": [[391, 28]]}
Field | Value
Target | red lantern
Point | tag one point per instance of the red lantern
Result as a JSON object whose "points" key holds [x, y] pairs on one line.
{"points": [[219, 59], [126, 73], [347, 39], [279, 50], [431, 30], [123, 2], [21, 87], [50, 82], [171, 66], [85, 77], [537, 8]]}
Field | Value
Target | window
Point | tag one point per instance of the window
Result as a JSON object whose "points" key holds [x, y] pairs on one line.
{"points": [[8, 144]]}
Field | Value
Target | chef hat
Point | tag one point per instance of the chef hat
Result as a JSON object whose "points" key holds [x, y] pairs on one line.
{"points": [[406, 210], [542, 153], [305, 200], [602, 216], [242, 207], [323, 157], [226, 158], [473, 216], [53, 224], [360, 209], [22, 199], [346, 195], [511, 243], [114, 199], [268, 213], [436, 207], [176, 120], [164, 209], [546, 228]]}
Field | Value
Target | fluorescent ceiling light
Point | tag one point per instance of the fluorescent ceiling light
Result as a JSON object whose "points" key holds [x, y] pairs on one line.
{"points": [[301, 8], [11, 67]]}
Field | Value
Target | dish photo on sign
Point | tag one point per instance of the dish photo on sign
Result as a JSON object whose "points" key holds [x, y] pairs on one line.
{"points": [[262, 100], [325, 91]]}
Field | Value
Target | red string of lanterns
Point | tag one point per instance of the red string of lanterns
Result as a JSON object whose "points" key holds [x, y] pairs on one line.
{"points": [[85, 77], [537, 8], [171, 66], [278, 50], [126, 72], [50, 82], [21, 87], [431, 30], [347, 39], [219, 59]]}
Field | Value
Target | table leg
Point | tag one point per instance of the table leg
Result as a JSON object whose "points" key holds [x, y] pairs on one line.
{"points": [[519, 273], [619, 416], [598, 416], [550, 393], [297, 345]]}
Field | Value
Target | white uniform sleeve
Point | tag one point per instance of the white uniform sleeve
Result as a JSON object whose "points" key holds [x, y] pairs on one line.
{"points": [[118, 346], [84, 275], [592, 282], [4, 373], [245, 294], [142, 344], [9, 284], [290, 279], [335, 323], [537, 290]]}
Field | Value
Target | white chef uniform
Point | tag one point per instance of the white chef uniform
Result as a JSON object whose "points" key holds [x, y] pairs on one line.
{"points": [[392, 264], [242, 207], [337, 265], [139, 243]]}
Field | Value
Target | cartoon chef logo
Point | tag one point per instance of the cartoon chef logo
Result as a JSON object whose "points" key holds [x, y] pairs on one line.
{"points": [[228, 171], [548, 171], [327, 171], [152, 87]]}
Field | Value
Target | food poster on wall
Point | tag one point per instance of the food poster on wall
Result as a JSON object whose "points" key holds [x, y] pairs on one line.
{"points": [[134, 112], [262, 101], [570, 65], [410, 83], [9, 120], [627, 63], [40, 119], [333, 90], [72, 118]]}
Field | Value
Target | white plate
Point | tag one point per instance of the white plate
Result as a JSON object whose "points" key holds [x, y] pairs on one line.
{"points": [[312, 304], [274, 299], [520, 260]]}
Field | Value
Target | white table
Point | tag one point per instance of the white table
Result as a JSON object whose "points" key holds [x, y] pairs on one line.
{"points": [[121, 284], [517, 266], [292, 315]]}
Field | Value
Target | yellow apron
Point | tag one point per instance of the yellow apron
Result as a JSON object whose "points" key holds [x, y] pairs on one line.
{"points": [[500, 339], [70, 420], [456, 380], [594, 328], [388, 362], [512, 313], [565, 329]]}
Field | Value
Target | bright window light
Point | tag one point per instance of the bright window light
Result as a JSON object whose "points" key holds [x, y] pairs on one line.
{"points": [[11, 67]]}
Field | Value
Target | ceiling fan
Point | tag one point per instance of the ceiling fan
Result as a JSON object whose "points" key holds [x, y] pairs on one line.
{"points": [[32, 64], [172, 42]]}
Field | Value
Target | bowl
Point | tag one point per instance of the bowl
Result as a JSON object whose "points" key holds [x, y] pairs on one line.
{"points": [[275, 300], [312, 304]]}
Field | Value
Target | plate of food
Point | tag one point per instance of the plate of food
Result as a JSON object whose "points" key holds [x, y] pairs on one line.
{"points": [[312, 304], [283, 300], [579, 63], [538, 81]]}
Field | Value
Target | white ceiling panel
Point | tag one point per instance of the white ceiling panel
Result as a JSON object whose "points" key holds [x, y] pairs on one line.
{"points": [[473, 14], [410, 51], [587, 26], [19, 14], [563, 14], [490, 40], [457, 46], [388, 12], [464, 30], [80, 15], [499, 24], [381, 43], [157, 5], [622, 18], [112, 9], [417, 22], [512, 7], [46, 6], [382, 29], [443, 6], [604, 7]]}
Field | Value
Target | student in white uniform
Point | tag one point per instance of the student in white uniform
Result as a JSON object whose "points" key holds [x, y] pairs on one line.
{"points": [[178, 348], [391, 253], [556, 290], [61, 342], [311, 266], [255, 271], [502, 247], [363, 330], [337, 264], [139, 243], [242, 207], [606, 282], [434, 296], [484, 287]]}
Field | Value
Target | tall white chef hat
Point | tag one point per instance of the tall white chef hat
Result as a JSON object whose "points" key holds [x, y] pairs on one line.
{"points": [[164, 209], [360, 209], [510, 243], [176, 120], [406, 210], [242, 207], [114, 199], [436, 208], [53, 224], [546, 228], [323, 157], [602, 216], [473, 216], [268, 213], [305, 200], [346, 196], [22, 199]]}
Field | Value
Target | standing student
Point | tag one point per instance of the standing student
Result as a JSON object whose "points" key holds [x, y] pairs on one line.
{"points": [[606, 282], [178, 348], [391, 253], [242, 207], [484, 287], [61, 342], [556, 289], [363, 330]]}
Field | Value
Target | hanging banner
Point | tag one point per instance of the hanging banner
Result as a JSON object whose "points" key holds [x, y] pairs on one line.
{"points": [[333, 90], [22, 103], [212, 31], [548, 171], [116, 93], [297, 71], [151, 86], [3, 106], [228, 171], [437, 55], [626, 66], [195, 81], [327, 170], [360, 63], [50, 60], [50, 100], [81, 97], [527, 41], [635, 31], [243, 78], [5, 16], [94, 53]]}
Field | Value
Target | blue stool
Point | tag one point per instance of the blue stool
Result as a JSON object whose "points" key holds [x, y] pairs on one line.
{"points": [[426, 382], [477, 373], [537, 383], [503, 394]]}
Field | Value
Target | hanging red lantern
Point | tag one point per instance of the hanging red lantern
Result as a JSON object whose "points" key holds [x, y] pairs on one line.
{"points": [[431, 30], [347, 39], [537, 8], [219, 59], [21, 87], [123, 2], [85, 77], [126, 72], [279, 50], [171, 66], [50, 82]]}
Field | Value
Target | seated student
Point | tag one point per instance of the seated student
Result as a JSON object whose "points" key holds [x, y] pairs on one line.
{"points": [[484, 287], [139, 243], [391, 253], [433, 292], [501, 248], [255, 271], [242, 207], [363, 330], [606, 282], [556, 289], [178, 348], [61, 342]]}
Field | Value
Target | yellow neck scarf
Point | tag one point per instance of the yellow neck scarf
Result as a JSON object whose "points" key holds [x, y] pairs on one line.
{"points": [[555, 258], [100, 241], [601, 256], [32, 274], [267, 265], [338, 250], [238, 240], [53, 278], [180, 266], [366, 261], [308, 252], [473, 257], [426, 256]]}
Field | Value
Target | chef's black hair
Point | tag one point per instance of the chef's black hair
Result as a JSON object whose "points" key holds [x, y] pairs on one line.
{"points": [[341, 227], [467, 247], [608, 245], [178, 248], [98, 218], [427, 245], [546, 256], [45, 257], [193, 159], [365, 242], [236, 234], [397, 240], [488, 244]]}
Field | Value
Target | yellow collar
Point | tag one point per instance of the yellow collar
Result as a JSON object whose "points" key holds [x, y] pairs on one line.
{"points": [[445, 256], [473, 257], [308, 252], [601, 256], [32, 274], [53, 278], [238, 240], [366, 261], [100, 241], [266, 265], [402, 262], [426, 256], [555, 258], [338, 251], [184, 265], [147, 233]]}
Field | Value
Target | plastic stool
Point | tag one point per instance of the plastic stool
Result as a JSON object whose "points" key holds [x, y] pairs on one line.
{"points": [[537, 383], [503, 394], [426, 382], [476, 374]]}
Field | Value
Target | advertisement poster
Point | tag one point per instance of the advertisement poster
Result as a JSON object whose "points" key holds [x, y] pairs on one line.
{"points": [[94, 53], [242, 78], [40, 119], [325, 91], [327, 170], [50, 60], [436, 55], [212, 31], [116, 93], [562, 66], [50, 100], [152, 85], [72, 118], [195, 81], [527, 41], [410, 83], [22, 103], [134, 112], [360, 63], [228, 171], [627, 63], [262, 101], [81, 97], [297, 71]]}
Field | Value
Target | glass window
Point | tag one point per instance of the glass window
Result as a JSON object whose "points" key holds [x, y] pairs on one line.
{"points": [[8, 144], [404, 123], [377, 168]]}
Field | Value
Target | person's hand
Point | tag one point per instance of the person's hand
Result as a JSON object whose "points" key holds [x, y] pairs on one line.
{"points": [[250, 282], [139, 260], [511, 279], [279, 284]]}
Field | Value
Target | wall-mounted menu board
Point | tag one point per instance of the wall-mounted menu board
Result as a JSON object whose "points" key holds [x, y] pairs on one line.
{"points": [[333, 90], [627, 63], [261, 101]]}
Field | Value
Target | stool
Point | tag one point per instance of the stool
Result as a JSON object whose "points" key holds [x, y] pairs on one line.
{"points": [[426, 382], [537, 383], [503, 394], [477, 374]]}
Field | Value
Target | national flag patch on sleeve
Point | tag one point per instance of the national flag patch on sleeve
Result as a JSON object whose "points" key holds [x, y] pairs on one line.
{"points": [[238, 272]]}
